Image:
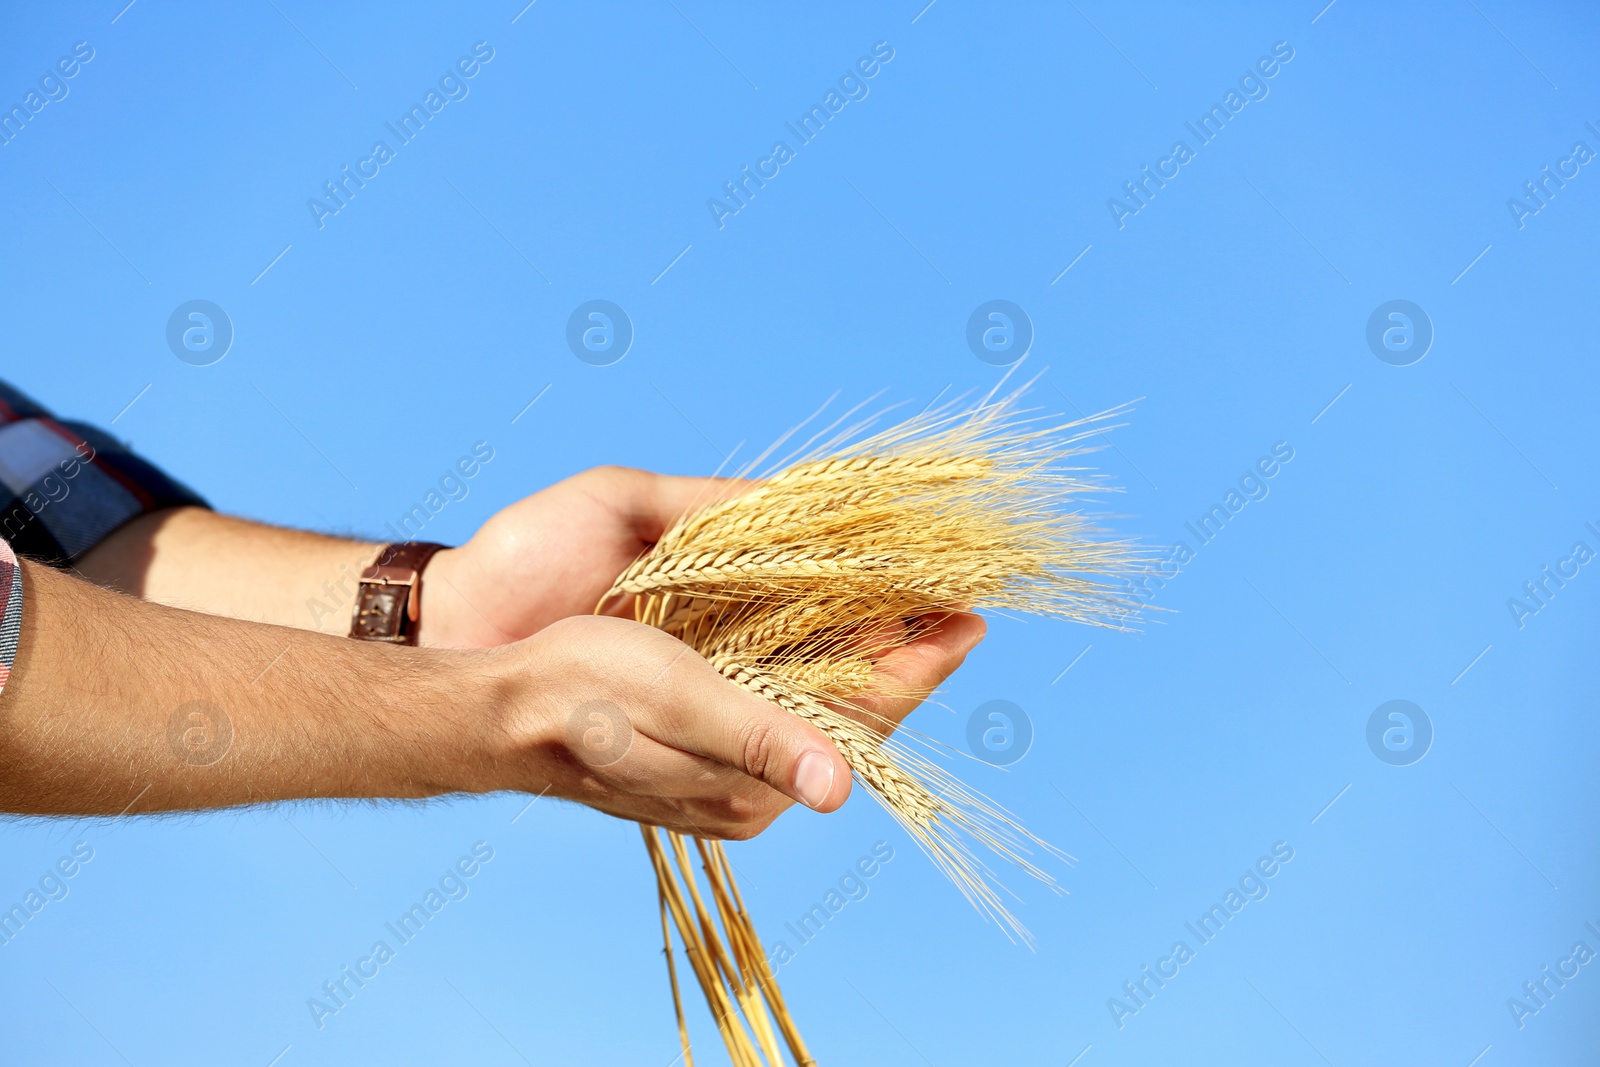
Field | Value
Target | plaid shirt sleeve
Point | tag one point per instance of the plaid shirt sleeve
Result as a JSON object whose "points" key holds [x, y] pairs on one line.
{"points": [[65, 486]]}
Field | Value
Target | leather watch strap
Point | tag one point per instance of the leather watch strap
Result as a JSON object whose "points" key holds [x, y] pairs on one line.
{"points": [[389, 597]]}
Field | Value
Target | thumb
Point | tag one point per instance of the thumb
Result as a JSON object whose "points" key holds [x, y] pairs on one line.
{"points": [[722, 721]]}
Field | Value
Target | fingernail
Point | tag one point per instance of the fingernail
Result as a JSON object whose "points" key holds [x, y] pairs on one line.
{"points": [[977, 635], [813, 779]]}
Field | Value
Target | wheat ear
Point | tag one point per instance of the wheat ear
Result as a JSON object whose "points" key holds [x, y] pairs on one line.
{"points": [[793, 588]]}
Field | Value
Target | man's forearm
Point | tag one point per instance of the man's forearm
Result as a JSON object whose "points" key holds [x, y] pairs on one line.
{"points": [[221, 565], [114, 701]]}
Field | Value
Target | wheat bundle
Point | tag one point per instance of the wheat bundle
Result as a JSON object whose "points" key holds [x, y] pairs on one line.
{"points": [[795, 586]]}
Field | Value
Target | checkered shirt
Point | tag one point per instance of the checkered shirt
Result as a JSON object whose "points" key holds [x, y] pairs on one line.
{"points": [[65, 486]]}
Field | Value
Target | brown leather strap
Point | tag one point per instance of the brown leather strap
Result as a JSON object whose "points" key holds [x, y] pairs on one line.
{"points": [[389, 598]]}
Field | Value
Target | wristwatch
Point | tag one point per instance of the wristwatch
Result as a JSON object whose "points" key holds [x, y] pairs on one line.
{"points": [[389, 597]]}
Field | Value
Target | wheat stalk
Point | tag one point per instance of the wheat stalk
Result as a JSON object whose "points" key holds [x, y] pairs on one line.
{"points": [[793, 587]]}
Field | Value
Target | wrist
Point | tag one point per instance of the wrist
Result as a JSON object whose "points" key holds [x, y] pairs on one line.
{"points": [[504, 738], [439, 717], [454, 606], [440, 622]]}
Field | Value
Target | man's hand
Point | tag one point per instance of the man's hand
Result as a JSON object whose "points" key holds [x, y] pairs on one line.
{"points": [[631, 721], [553, 554]]}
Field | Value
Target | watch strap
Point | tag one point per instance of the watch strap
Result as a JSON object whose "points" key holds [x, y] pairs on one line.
{"points": [[389, 597]]}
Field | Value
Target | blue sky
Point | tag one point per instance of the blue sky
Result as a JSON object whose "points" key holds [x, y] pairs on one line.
{"points": [[985, 158]]}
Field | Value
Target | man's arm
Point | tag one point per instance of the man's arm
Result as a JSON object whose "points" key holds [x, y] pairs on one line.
{"points": [[107, 693], [546, 557], [194, 558], [111, 698]]}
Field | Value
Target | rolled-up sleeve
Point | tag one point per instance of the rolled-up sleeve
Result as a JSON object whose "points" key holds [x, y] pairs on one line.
{"points": [[65, 486]]}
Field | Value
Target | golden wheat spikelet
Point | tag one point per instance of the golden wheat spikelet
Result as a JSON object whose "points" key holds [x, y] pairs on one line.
{"points": [[972, 507], [795, 584]]}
